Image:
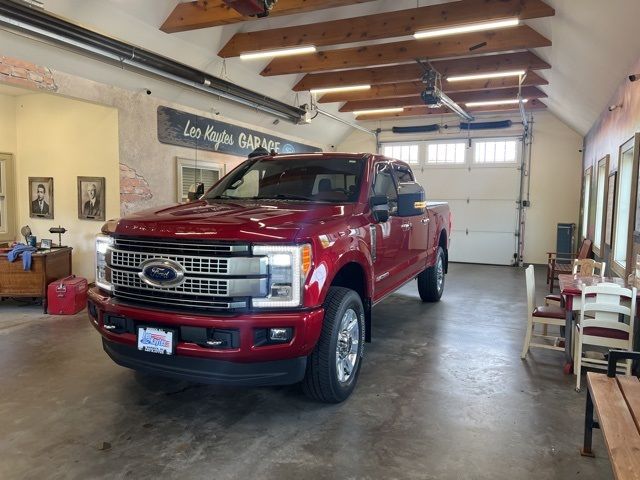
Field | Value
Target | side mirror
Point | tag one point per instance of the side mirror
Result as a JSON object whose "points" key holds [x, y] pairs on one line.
{"points": [[380, 208], [411, 199], [196, 193]]}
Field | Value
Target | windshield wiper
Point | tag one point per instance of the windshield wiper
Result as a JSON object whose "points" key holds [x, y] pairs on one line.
{"points": [[282, 196]]}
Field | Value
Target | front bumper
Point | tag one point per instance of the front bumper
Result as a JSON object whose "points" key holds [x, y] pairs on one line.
{"points": [[306, 326], [205, 370]]}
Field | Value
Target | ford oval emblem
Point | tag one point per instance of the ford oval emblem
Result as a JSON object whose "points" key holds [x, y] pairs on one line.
{"points": [[161, 273]]}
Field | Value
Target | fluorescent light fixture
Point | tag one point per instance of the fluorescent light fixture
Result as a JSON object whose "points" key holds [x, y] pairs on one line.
{"points": [[474, 27], [483, 76], [351, 88], [490, 103], [283, 52], [378, 110]]}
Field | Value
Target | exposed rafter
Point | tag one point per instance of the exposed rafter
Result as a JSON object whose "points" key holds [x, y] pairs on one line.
{"points": [[407, 89], [212, 13], [461, 97], [532, 105], [385, 25], [412, 71], [476, 43]]}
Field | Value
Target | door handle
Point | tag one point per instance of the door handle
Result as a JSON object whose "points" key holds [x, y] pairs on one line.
{"points": [[424, 221], [406, 226]]}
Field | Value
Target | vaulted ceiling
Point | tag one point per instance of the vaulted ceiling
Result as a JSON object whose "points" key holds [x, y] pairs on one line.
{"points": [[574, 53]]}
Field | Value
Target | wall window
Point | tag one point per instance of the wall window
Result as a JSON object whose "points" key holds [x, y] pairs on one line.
{"points": [[495, 151], [189, 174], [601, 185], [450, 153], [586, 192], [405, 152], [623, 205]]}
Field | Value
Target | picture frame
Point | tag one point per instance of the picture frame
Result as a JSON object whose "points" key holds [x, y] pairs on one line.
{"points": [[46, 243], [91, 198], [611, 200], [41, 197]]}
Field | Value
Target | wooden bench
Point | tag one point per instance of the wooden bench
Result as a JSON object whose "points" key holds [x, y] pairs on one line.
{"points": [[617, 406]]}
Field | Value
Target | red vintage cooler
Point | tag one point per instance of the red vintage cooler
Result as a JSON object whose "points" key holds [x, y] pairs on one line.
{"points": [[67, 296]]}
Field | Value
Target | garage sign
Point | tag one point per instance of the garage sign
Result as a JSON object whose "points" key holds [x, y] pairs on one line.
{"points": [[193, 131]]}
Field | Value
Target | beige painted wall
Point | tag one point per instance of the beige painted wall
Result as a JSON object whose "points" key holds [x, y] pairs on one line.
{"points": [[555, 177], [62, 138], [556, 168]]}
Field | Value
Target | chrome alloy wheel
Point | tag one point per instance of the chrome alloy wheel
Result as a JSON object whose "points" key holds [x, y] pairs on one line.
{"points": [[440, 273], [347, 347]]}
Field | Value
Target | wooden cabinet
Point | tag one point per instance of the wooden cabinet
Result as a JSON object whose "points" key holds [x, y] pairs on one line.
{"points": [[46, 266]]}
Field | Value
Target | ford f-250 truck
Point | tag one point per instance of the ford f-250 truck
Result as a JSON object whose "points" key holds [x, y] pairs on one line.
{"points": [[270, 277]]}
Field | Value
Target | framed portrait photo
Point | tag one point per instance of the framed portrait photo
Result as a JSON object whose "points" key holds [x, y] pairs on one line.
{"points": [[41, 197], [91, 198]]}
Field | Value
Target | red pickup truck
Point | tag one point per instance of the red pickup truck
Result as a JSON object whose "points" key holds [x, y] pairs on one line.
{"points": [[270, 277]]}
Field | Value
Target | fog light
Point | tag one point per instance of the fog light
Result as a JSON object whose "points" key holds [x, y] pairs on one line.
{"points": [[279, 334]]}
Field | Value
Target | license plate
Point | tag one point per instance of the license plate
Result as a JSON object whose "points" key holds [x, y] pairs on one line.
{"points": [[155, 340]]}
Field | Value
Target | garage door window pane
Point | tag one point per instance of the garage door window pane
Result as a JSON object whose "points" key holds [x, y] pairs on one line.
{"points": [[406, 153], [446, 153], [501, 151]]}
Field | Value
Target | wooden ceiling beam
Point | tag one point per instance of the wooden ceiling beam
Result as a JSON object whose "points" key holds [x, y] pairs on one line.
{"points": [[412, 71], [407, 89], [398, 23], [476, 43], [213, 13], [532, 105], [460, 98]]}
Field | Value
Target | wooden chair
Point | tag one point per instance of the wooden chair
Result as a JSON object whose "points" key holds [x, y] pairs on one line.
{"points": [[546, 315], [604, 328], [562, 263], [586, 267], [583, 267]]}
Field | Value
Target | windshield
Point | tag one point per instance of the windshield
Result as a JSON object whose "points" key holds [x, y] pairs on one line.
{"points": [[306, 179]]}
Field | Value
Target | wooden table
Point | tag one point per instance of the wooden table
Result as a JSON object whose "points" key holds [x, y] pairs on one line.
{"points": [[616, 401], [46, 267]]}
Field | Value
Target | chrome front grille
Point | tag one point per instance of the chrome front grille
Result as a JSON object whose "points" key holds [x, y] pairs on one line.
{"points": [[172, 247], [195, 265], [217, 276], [190, 286]]}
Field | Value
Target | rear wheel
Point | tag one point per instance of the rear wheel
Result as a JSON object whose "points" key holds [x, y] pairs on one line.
{"points": [[334, 364], [431, 280]]}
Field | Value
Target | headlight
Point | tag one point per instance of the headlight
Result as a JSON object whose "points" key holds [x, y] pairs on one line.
{"points": [[103, 272], [289, 266]]}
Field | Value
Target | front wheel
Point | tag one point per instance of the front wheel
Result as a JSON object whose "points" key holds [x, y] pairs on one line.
{"points": [[431, 280], [334, 364]]}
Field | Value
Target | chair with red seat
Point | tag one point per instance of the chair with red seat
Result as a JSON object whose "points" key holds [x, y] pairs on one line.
{"points": [[605, 321], [558, 263], [542, 315]]}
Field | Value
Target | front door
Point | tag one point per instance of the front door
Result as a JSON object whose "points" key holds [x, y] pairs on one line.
{"points": [[392, 236]]}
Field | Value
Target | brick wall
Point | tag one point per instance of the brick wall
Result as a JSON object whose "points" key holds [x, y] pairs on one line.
{"points": [[133, 188], [26, 75]]}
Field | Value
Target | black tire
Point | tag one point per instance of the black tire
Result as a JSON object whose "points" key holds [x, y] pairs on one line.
{"points": [[321, 381], [428, 287]]}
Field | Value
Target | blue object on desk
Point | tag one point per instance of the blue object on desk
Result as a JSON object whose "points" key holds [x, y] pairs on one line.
{"points": [[22, 250]]}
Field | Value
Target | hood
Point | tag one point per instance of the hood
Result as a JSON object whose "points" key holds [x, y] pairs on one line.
{"points": [[256, 221]]}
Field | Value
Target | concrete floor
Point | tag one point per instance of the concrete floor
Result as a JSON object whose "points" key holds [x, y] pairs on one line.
{"points": [[443, 395]]}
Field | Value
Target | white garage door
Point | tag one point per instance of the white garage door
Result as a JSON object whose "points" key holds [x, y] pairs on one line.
{"points": [[481, 184]]}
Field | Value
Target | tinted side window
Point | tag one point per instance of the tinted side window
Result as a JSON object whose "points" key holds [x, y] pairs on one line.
{"points": [[385, 185], [403, 174]]}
